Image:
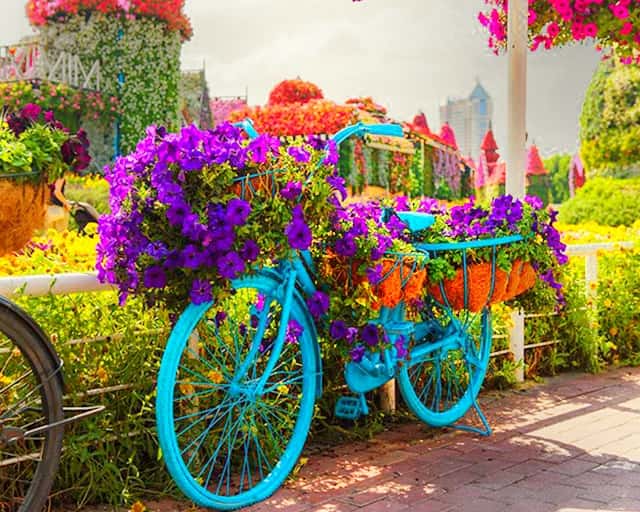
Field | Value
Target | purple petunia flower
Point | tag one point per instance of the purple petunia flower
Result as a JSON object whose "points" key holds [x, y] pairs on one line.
{"points": [[155, 277], [337, 182], [357, 353], [250, 251], [370, 335], [177, 213], [221, 316], [191, 257], [374, 274], [318, 304], [237, 211], [333, 154], [200, 291], [352, 335], [338, 330], [401, 348], [294, 331], [292, 190], [346, 246], [300, 154], [230, 265], [298, 234]]}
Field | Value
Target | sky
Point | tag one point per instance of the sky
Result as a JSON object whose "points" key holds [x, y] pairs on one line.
{"points": [[409, 55]]}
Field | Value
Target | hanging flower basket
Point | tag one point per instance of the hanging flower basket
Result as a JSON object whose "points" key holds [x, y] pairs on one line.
{"points": [[478, 286], [22, 211], [400, 279]]}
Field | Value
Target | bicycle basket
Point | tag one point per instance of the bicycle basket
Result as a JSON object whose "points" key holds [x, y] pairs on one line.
{"points": [[476, 285]]}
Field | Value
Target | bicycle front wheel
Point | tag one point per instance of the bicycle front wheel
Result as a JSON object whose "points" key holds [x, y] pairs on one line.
{"points": [[443, 377], [30, 400], [230, 430]]}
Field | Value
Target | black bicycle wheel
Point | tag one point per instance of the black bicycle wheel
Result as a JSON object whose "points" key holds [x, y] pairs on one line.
{"points": [[30, 400]]}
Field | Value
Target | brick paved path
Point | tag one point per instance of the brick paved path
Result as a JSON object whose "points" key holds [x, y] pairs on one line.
{"points": [[572, 445]]}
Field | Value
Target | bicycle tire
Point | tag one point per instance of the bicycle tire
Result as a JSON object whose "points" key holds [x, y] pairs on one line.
{"points": [[441, 386], [33, 349], [258, 449]]}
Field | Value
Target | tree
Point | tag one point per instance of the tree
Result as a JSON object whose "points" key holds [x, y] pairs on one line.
{"points": [[610, 121], [558, 167]]}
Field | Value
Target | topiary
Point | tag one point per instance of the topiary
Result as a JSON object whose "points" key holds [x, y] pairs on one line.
{"points": [[610, 121], [294, 91]]}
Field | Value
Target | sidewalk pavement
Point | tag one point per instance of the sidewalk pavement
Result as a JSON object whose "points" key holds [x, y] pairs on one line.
{"points": [[570, 445]]}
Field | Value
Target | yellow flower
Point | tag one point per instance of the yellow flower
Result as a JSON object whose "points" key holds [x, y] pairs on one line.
{"points": [[102, 375], [282, 389], [608, 303], [215, 377], [187, 389], [138, 506], [613, 331]]}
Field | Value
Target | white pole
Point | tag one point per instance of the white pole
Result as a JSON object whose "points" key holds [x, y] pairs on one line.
{"points": [[56, 284], [517, 43]]}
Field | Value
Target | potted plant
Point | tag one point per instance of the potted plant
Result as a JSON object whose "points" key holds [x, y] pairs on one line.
{"points": [[35, 151]]}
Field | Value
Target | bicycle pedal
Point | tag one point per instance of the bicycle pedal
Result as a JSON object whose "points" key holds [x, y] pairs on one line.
{"points": [[348, 408]]}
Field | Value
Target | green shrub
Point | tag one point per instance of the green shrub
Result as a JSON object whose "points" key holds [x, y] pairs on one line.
{"points": [[607, 201]]}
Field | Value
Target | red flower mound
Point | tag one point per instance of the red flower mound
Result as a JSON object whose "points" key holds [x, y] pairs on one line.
{"points": [[294, 91], [312, 118]]}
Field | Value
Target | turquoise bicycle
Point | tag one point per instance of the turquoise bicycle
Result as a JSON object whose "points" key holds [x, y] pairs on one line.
{"points": [[237, 387]]}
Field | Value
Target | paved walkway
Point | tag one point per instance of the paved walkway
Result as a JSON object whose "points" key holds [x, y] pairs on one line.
{"points": [[571, 445]]}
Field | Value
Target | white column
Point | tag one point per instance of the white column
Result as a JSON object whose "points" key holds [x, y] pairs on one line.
{"points": [[517, 44], [516, 343]]}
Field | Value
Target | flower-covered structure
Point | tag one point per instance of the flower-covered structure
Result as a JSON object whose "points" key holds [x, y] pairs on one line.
{"points": [[421, 163], [538, 180], [138, 44], [612, 24]]}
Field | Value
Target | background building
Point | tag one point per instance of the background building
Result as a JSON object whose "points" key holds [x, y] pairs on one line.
{"points": [[470, 118]]}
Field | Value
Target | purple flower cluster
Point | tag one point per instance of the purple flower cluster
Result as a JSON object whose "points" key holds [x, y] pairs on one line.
{"points": [[297, 231], [153, 187], [359, 225], [368, 337]]}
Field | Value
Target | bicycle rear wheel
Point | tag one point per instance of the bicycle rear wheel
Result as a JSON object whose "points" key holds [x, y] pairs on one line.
{"points": [[228, 440], [30, 397], [443, 377]]}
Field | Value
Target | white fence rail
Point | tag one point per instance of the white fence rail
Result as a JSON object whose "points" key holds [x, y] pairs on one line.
{"points": [[61, 284], [36, 62]]}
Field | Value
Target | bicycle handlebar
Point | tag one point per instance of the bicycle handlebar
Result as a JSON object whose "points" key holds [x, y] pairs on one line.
{"points": [[361, 129], [247, 126]]}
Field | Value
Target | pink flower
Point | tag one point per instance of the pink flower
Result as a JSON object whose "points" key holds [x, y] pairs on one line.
{"points": [[626, 29], [532, 17], [619, 11], [590, 30], [553, 29]]}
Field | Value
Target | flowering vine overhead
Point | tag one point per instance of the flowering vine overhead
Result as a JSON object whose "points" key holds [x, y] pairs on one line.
{"points": [[614, 25], [170, 12]]}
